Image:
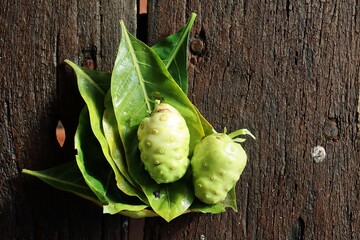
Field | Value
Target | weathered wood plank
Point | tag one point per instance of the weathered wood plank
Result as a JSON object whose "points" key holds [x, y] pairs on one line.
{"points": [[288, 71], [35, 38]]}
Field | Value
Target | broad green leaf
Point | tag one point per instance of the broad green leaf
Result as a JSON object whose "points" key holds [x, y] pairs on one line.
{"points": [[97, 173], [93, 96], [137, 74], [113, 138], [66, 177], [173, 52], [91, 161], [100, 78], [170, 200]]}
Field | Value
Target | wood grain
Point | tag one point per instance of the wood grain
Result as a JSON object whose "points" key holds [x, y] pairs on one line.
{"points": [[35, 38], [289, 72]]}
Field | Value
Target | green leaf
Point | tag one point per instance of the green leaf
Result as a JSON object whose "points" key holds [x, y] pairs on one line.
{"points": [[97, 173], [137, 74], [100, 79], [170, 200], [93, 96], [173, 52], [199, 206], [66, 177], [113, 138], [109, 124], [126, 208]]}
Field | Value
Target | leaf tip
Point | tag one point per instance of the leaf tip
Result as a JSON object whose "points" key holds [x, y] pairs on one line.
{"points": [[122, 24], [192, 19], [27, 171], [193, 15], [72, 64]]}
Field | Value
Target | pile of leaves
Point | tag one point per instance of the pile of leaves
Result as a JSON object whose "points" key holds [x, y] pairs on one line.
{"points": [[108, 169]]}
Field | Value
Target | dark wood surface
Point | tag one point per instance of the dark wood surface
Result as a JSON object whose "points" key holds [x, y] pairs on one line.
{"points": [[35, 38], [287, 70]]}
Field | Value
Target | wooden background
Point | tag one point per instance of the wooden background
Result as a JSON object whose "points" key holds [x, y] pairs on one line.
{"points": [[287, 70]]}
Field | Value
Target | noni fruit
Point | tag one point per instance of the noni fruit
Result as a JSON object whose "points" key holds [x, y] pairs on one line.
{"points": [[217, 164], [164, 143]]}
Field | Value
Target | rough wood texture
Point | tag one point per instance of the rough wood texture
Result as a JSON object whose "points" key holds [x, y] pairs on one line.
{"points": [[35, 38], [288, 71]]}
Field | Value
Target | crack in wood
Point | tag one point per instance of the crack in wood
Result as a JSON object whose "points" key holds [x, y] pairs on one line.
{"points": [[297, 230]]}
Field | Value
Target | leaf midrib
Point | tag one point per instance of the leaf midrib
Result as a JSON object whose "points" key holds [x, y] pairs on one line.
{"points": [[179, 45], [135, 64], [55, 180]]}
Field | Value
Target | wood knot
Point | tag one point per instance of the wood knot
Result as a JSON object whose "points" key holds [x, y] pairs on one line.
{"points": [[197, 46], [331, 130]]}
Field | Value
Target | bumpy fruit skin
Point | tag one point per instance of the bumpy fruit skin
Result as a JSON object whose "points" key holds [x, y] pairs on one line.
{"points": [[217, 164], [164, 144]]}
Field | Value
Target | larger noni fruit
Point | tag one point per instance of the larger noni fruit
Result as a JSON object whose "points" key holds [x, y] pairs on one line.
{"points": [[164, 143], [217, 164]]}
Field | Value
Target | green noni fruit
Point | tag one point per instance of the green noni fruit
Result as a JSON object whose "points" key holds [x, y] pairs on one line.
{"points": [[164, 143], [217, 164]]}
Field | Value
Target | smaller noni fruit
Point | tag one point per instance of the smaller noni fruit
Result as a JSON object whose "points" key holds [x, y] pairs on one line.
{"points": [[217, 164], [164, 143]]}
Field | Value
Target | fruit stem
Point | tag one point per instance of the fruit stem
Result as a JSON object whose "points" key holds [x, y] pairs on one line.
{"points": [[241, 132], [225, 130], [157, 102]]}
